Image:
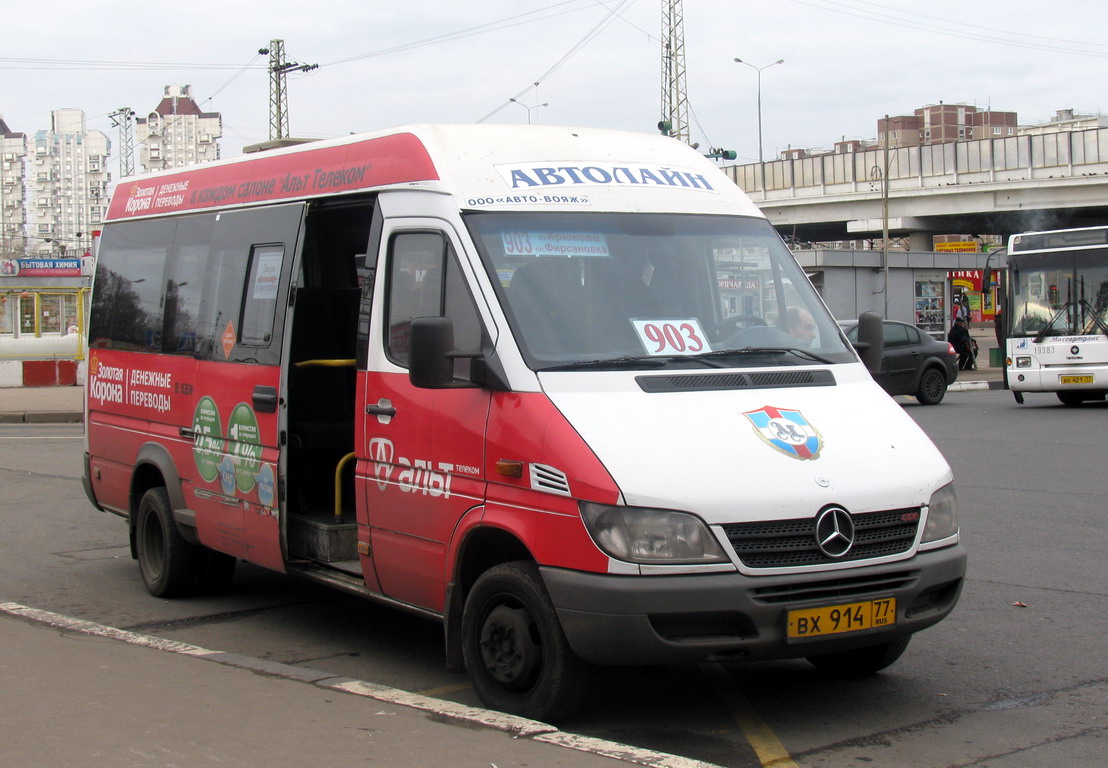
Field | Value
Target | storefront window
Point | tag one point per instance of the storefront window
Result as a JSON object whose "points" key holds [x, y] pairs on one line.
{"points": [[7, 313], [27, 314], [51, 309]]}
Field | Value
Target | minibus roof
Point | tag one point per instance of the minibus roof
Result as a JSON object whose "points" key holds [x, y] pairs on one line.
{"points": [[485, 167]]}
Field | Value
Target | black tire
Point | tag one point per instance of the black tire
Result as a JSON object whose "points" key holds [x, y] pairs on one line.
{"points": [[1071, 398], [516, 653], [861, 661], [932, 387], [215, 572], [168, 563]]}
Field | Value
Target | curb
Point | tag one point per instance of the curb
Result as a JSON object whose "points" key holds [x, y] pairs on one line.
{"points": [[42, 417], [970, 386]]}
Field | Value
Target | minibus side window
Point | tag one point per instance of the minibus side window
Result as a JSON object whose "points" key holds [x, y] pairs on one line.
{"points": [[185, 284], [127, 306], [262, 281], [425, 281], [244, 282]]}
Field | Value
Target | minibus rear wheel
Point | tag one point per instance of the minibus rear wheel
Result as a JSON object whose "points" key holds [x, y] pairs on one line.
{"points": [[168, 563], [515, 651], [861, 661]]}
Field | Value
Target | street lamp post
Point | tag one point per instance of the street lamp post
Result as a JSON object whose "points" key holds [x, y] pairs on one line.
{"points": [[761, 162], [528, 107]]}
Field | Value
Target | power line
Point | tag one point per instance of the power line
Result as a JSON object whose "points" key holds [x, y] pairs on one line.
{"points": [[611, 16], [950, 28], [478, 29], [23, 63]]}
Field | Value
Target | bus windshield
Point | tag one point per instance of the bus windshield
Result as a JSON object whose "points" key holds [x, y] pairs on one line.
{"points": [[628, 290], [1059, 293]]}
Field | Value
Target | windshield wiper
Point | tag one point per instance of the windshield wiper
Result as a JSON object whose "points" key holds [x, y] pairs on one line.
{"points": [[798, 351], [1050, 325], [1096, 321], [614, 362], [710, 358]]}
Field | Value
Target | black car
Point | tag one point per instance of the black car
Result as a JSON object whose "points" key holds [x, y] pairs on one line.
{"points": [[913, 362]]}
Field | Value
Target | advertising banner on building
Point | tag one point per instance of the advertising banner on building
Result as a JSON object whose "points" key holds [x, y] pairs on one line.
{"points": [[43, 267]]}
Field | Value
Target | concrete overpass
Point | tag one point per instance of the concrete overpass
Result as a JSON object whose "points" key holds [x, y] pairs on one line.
{"points": [[986, 186]]}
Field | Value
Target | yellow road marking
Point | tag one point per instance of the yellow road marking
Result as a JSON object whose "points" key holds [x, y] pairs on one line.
{"points": [[769, 749]]}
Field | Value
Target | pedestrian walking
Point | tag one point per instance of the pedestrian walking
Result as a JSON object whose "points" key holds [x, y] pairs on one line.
{"points": [[959, 338]]}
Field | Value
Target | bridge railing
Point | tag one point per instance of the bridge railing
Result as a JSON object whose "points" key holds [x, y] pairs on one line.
{"points": [[1009, 158]]}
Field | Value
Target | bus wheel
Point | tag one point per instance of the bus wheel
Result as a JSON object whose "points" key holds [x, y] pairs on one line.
{"points": [[516, 654], [1071, 398], [861, 661], [168, 563]]}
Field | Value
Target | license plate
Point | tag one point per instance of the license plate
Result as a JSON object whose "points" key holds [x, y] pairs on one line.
{"points": [[1076, 379], [837, 619]]}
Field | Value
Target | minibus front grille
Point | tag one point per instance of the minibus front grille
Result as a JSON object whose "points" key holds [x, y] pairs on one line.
{"points": [[792, 543], [696, 382], [834, 589]]}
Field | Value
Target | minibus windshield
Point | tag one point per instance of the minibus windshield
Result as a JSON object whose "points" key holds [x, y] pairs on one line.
{"points": [[626, 290]]}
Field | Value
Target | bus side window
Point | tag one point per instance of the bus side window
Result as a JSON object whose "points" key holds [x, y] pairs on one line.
{"points": [[263, 278], [184, 286], [127, 304], [244, 283], [425, 281]]}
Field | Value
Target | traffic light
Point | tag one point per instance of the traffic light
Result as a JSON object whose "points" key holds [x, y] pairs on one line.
{"points": [[666, 127], [721, 154]]}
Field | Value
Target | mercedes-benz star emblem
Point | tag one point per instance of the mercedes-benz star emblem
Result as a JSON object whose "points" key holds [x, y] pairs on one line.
{"points": [[834, 532]]}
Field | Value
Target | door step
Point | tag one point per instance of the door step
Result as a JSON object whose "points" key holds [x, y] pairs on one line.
{"points": [[323, 537]]}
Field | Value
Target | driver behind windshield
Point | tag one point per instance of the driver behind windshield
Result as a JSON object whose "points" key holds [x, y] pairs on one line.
{"points": [[801, 325]]}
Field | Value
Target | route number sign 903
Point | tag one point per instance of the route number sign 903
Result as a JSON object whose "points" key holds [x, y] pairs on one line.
{"points": [[672, 337]]}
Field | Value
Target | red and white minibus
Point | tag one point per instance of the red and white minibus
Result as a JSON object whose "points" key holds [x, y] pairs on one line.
{"points": [[539, 383]]}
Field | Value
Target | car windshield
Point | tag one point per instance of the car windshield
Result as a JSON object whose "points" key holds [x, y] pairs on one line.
{"points": [[590, 290]]}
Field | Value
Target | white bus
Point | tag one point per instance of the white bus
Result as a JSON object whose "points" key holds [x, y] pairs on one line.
{"points": [[1057, 313]]}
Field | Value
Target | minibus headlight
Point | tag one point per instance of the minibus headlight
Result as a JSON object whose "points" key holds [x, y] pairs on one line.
{"points": [[644, 535], [942, 515]]}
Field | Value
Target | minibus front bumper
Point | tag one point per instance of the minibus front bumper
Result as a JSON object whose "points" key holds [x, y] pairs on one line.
{"points": [[618, 619]]}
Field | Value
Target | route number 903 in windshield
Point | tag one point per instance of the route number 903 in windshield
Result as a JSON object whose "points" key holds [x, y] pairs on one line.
{"points": [[672, 337]]}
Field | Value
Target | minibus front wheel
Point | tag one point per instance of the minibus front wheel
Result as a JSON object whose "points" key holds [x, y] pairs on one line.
{"points": [[168, 563], [515, 651]]}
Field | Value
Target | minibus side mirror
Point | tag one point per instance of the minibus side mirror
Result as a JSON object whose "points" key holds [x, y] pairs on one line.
{"points": [[431, 354], [871, 340]]}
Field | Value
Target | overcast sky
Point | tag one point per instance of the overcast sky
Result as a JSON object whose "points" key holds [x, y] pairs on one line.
{"points": [[598, 63]]}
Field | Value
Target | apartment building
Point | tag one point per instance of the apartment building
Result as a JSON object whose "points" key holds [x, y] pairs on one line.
{"points": [[13, 150], [941, 123], [177, 132], [1065, 120], [67, 185]]}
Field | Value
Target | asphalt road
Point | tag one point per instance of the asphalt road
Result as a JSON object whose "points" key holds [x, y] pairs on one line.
{"points": [[1015, 678]]}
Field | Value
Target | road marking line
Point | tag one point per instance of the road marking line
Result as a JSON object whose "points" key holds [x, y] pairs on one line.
{"points": [[769, 749]]}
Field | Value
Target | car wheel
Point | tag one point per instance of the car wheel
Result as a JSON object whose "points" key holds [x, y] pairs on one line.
{"points": [[932, 387], [169, 564], [515, 652], [861, 661], [1071, 398]]}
